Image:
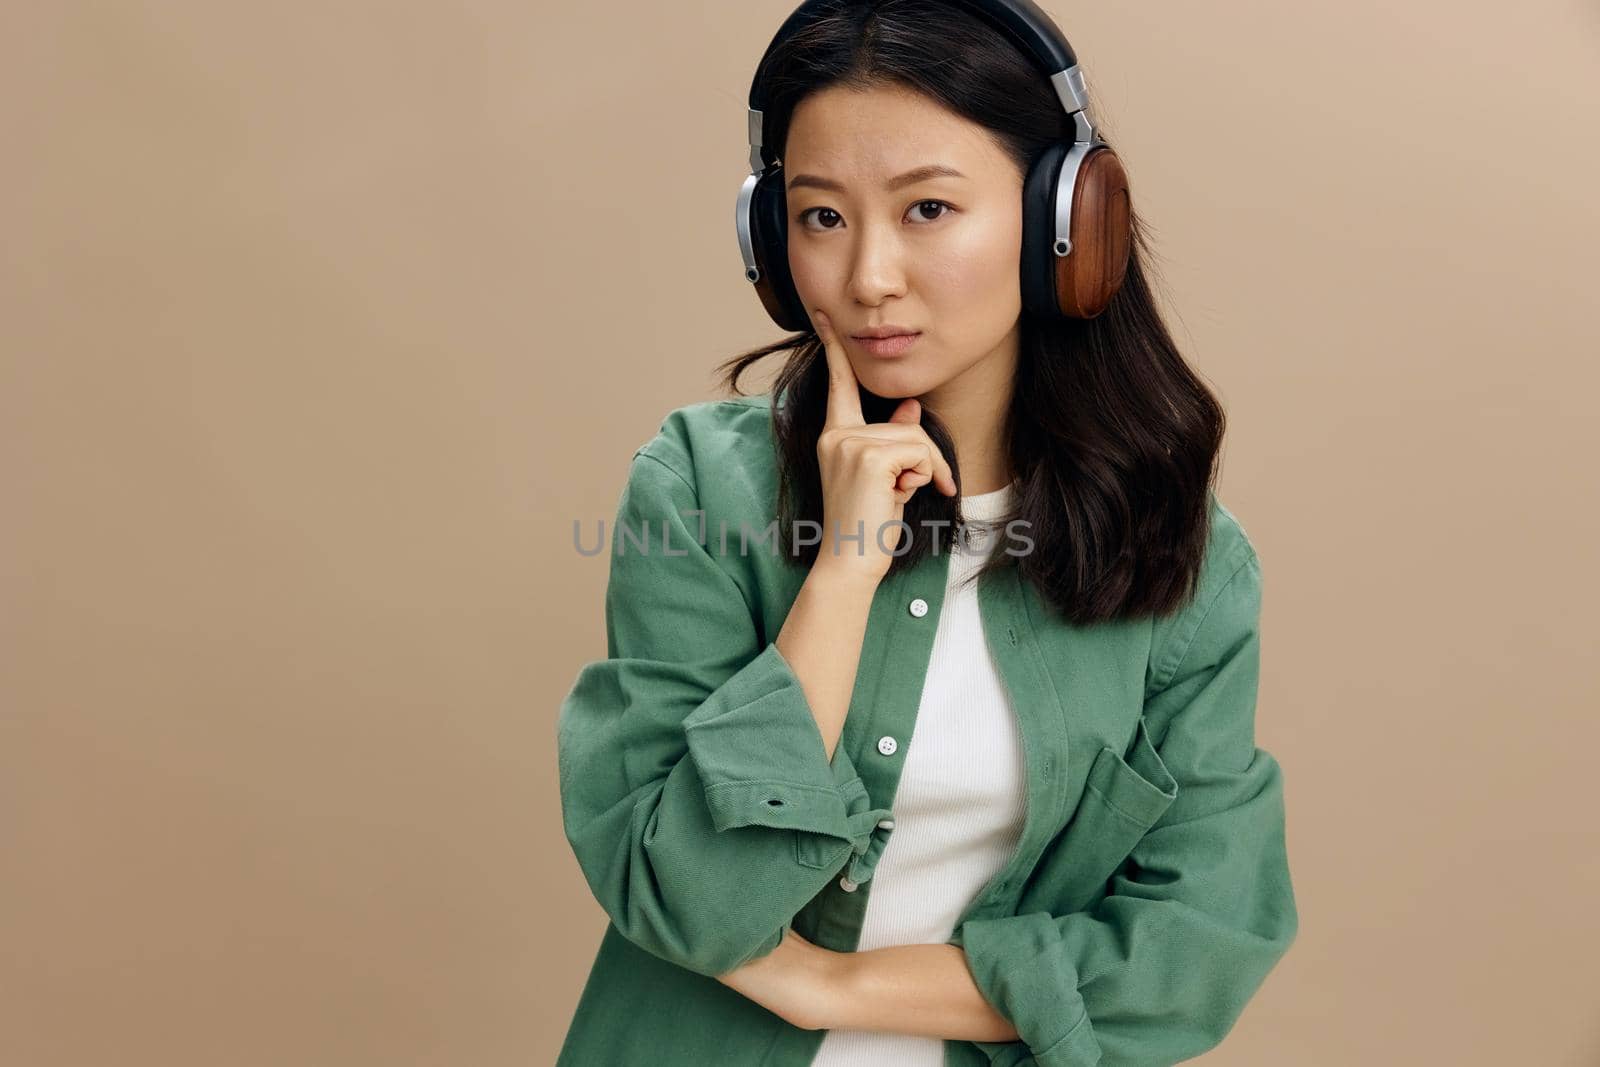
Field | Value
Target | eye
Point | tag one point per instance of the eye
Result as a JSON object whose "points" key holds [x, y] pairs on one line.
{"points": [[801, 218], [937, 203], [917, 208]]}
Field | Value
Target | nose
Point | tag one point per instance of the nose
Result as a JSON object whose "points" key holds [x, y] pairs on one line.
{"points": [[877, 269]]}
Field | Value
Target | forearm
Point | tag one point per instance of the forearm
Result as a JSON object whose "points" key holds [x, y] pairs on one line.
{"points": [[821, 641], [916, 989]]}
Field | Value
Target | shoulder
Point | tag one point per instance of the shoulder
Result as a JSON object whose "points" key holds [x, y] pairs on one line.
{"points": [[1226, 602], [715, 456], [710, 471], [712, 437], [1228, 547]]}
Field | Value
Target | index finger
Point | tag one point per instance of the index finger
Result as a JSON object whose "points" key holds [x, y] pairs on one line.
{"points": [[844, 391]]}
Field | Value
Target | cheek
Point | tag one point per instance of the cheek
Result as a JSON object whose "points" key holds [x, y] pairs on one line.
{"points": [[979, 264], [811, 273], [973, 287]]}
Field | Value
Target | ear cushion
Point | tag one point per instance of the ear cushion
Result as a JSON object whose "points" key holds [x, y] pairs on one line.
{"points": [[1038, 232], [769, 233]]}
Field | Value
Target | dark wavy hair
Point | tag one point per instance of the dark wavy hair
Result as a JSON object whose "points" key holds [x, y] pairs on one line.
{"points": [[1114, 439]]}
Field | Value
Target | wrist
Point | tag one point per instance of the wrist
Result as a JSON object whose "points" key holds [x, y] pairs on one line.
{"points": [[838, 578]]}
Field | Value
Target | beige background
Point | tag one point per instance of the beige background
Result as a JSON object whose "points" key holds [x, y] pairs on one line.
{"points": [[321, 324]]}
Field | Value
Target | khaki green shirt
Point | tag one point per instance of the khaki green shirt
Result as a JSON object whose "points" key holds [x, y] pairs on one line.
{"points": [[1149, 894]]}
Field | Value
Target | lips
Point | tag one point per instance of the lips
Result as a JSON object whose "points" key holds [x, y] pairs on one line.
{"points": [[892, 345]]}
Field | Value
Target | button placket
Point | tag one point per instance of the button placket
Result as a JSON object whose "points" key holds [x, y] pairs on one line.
{"points": [[868, 847]]}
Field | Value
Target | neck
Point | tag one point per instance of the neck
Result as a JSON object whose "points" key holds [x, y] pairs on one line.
{"points": [[974, 405]]}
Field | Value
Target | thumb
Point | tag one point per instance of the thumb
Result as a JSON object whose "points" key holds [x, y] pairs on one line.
{"points": [[909, 410]]}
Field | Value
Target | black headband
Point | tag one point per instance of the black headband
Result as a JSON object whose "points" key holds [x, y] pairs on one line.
{"points": [[1021, 21]]}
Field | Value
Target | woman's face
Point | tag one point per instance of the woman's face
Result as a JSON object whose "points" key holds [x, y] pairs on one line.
{"points": [[939, 254]]}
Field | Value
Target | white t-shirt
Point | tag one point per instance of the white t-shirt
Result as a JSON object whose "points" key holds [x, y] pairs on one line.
{"points": [[952, 829]]}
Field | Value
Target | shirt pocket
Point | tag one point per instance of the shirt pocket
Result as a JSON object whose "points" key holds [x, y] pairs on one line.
{"points": [[1122, 798]]}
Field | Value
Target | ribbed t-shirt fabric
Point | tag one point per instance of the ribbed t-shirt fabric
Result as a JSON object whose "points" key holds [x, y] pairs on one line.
{"points": [[953, 829]]}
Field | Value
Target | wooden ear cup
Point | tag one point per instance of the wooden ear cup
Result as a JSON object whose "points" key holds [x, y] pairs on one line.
{"points": [[1091, 274], [1080, 284]]}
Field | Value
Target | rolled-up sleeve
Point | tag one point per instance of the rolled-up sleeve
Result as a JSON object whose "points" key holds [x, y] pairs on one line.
{"points": [[1159, 969], [696, 792]]}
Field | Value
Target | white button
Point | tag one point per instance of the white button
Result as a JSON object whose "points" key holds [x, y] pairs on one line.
{"points": [[847, 885], [919, 607], [886, 824], [887, 745]]}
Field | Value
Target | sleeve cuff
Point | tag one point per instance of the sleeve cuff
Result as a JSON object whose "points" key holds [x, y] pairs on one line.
{"points": [[756, 746], [1007, 957]]}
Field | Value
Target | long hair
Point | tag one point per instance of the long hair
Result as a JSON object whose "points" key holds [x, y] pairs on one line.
{"points": [[1113, 438]]}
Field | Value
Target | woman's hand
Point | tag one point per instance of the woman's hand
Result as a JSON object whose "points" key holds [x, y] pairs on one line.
{"points": [[799, 982], [869, 470]]}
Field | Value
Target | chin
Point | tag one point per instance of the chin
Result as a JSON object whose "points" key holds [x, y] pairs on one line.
{"points": [[896, 381]]}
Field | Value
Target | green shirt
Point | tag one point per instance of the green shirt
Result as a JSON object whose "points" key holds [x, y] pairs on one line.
{"points": [[1149, 894]]}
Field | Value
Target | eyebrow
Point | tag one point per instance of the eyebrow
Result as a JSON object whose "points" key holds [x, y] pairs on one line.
{"points": [[910, 177]]}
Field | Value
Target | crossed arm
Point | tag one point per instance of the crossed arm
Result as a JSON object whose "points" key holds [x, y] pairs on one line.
{"points": [[916, 989], [926, 990]]}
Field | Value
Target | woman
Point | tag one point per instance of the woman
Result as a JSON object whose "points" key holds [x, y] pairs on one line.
{"points": [[885, 788]]}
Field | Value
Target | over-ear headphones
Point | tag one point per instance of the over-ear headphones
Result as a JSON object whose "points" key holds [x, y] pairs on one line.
{"points": [[1075, 200]]}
